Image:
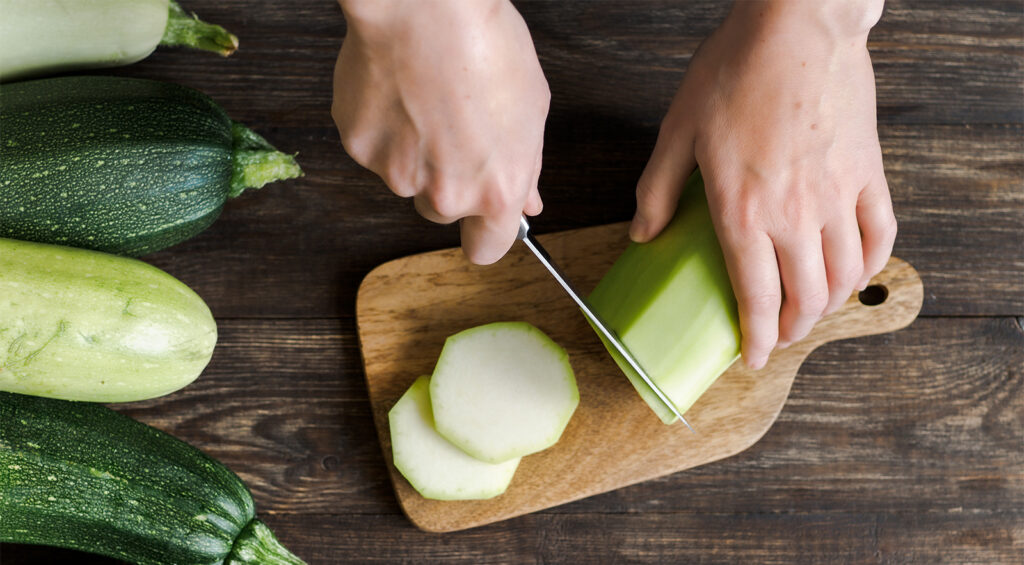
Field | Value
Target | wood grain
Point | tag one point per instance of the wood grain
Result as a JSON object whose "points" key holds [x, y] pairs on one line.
{"points": [[945, 537], [407, 307]]}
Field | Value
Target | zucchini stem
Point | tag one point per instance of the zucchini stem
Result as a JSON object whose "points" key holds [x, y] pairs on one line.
{"points": [[256, 162], [256, 545], [189, 31]]}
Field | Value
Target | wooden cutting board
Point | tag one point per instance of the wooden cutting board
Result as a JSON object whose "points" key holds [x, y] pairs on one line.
{"points": [[407, 307]]}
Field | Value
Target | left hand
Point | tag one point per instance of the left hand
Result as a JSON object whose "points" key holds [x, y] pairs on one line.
{"points": [[778, 109]]}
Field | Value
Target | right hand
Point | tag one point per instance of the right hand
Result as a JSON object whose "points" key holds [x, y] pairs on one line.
{"points": [[446, 101]]}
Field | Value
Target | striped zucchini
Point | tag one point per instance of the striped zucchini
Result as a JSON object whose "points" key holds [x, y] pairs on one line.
{"points": [[40, 37], [126, 166], [83, 476], [82, 325]]}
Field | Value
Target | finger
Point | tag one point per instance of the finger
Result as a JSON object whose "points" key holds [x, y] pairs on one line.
{"points": [[804, 285], [877, 228], [486, 239], [754, 274], [659, 187], [534, 205], [426, 208], [844, 260]]}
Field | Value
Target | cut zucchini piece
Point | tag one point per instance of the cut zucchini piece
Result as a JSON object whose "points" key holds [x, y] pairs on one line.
{"points": [[671, 303], [502, 390], [434, 467]]}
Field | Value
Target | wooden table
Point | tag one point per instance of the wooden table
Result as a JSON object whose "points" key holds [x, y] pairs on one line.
{"points": [[907, 447]]}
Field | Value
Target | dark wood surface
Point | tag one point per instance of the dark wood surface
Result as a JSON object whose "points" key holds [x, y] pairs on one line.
{"points": [[900, 448]]}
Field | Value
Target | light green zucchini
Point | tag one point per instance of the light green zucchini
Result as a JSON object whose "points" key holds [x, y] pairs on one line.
{"points": [[84, 325], [39, 37]]}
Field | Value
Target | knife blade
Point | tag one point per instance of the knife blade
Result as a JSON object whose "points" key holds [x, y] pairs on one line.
{"points": [[538, 250]]}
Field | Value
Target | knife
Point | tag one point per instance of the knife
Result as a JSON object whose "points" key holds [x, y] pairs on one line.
{"points": [[526, 237]]}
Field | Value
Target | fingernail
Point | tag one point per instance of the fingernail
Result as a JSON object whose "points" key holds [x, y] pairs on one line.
{"points": [[757, 362], [862, 285], [638, 229], [784, 344]]}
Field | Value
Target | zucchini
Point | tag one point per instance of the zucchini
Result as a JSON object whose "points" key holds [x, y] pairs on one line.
{"points": [[85, 477], [433, 465], [49, 36], [126, 166], [83, 325], [671, 303], [502, 390]]}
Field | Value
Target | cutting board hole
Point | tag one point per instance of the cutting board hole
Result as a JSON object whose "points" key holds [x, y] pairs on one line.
{"points": [[873, 295]]}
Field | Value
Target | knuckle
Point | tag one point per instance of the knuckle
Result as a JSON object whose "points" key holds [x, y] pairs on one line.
{"points": [[811, 303], [497, 200], [846, 278], [445, 201], [400, 188], [747, 216], [794, 212], [358, 147], [743, 215], [761, 303], [546, 97], [399, 183], [760, 343]]}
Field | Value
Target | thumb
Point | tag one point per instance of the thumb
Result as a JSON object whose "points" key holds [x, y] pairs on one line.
{"points": [[659, 187], [486, 239]]}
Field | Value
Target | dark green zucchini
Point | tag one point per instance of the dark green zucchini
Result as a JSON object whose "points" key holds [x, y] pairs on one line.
{"points": [[82, 476], [121, 165]]}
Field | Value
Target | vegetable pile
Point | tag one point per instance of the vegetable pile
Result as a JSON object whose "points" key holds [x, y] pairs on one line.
{"points": [[93, 165]]}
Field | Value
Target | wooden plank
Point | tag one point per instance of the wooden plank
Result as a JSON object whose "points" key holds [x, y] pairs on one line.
{"points": [[919, 419], [769, 537], [959, 200]]}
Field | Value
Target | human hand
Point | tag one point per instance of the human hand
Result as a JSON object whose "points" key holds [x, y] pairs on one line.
{"points": [[778, 109], [446, 101]]}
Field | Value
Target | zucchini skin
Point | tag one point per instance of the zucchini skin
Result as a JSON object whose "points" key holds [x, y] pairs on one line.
{"points": [[671, 302], [82, 476], [84, 325], [125, 166]]}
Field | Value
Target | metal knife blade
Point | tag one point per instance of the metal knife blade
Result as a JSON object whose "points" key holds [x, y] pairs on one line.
{"points": [[527, 238]]}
